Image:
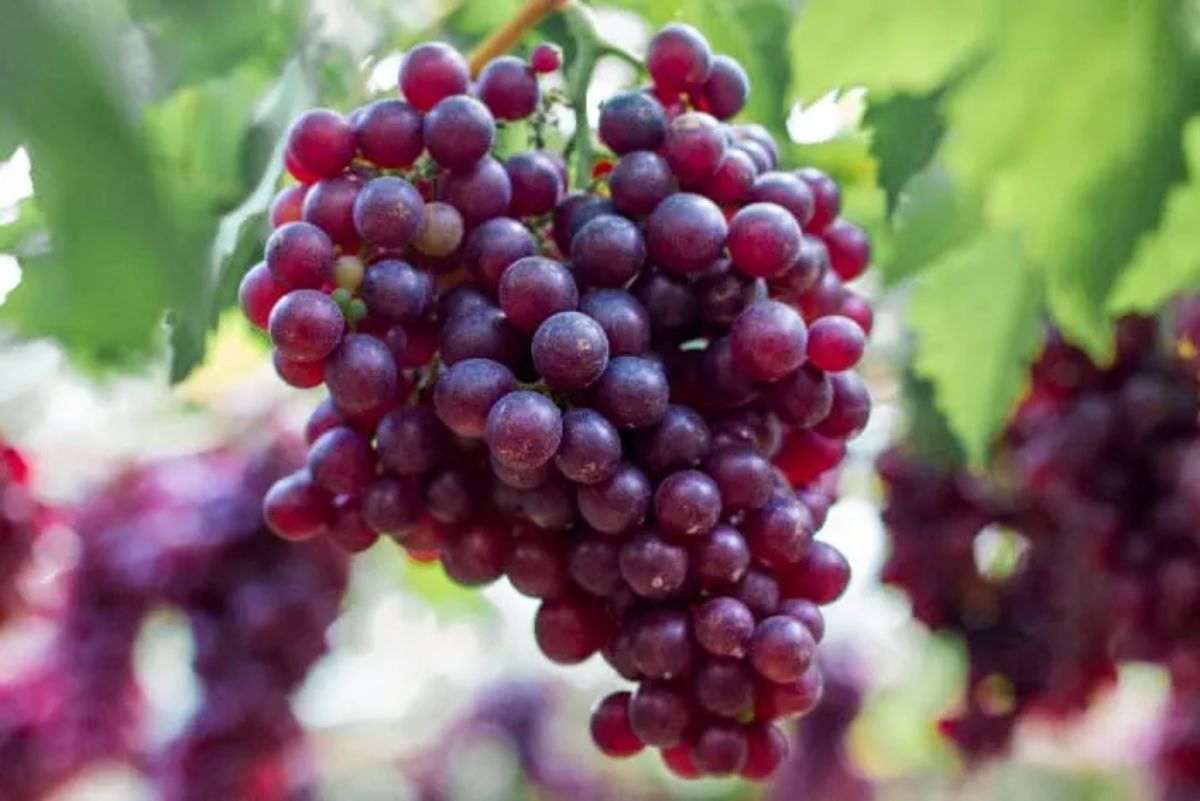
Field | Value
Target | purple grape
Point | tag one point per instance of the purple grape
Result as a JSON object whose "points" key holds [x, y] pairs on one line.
{"points": [[410, 440], [389, 134], [727, 87], [481, 333], [802, 398], [623, 318], [593, 564], [300, 256], [764, 240], [722, 293], [720, 749], [479, 192], [591, 447], [662, 644], [458, 132], [389, 505], [782, 649], [451, 495], [508, 87], [723, 626], [321, 142], [660, 714], [730, 185], [536, 565], [306, 325], [632, 392], [536, 184], [758, 590], [341, 461], [678, 58], [720, 557], [523, 430], [618, 503], [607, 252], [639, 182], [786, 190], [361, 374], [632, 121], [396, 293], [476, 556], [687, 503], [849, 410], [744, 478], [686, 233], [329, 205], [653, 567], [535, 288], [827, 199], [388, 212], [570, 351], [807, 613], [466, 391], [494, 246], [768, 340], [670, 303], [694, 147], [680, 440], [432, 72], [780, 533], [724, 687]]}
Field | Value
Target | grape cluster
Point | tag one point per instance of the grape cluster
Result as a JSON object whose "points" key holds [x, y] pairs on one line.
{"points": [[1098, 473], [631, 400], [187, 534], [20, 519]]}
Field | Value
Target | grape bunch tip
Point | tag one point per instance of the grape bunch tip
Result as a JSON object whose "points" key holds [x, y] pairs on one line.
{"points": [[629, 398]]}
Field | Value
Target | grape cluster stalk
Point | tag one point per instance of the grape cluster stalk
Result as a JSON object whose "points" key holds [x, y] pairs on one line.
{"points": [[1096, 479], [630, 398], [185, 534]]}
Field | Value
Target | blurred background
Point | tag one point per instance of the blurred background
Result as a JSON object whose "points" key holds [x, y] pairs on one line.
{"points": [[1008, 158]]}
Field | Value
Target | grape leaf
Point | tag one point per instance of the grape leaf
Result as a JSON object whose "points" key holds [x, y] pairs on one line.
{"points": [[1071, 146], [118, 260], [906, 130], [976, 314], [932, 217], [1167, 261], [883, 44]]}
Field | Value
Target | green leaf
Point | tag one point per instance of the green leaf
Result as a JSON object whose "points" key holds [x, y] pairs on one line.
{"points": [[906, 130], [118, 257], [1167, 261], [932, 218], [1073, 145], [238, 237], [10, 138], [911, 46], [977, 317], [27, 232]]}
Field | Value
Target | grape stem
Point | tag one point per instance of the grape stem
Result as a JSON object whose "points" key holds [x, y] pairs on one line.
{"points": [[503, 38]]}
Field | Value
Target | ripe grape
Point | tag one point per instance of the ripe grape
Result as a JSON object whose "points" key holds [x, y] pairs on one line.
{"points": [[639, 181], [694, 147], [779, 533], [306, 325], [611, 729], [720, 557], [569, 630], [803, 397], [432, 72], [590, 449], [441, 230], [662, 643], [410, 440], [680, 440], [849, 409], [625, 321], [686, 233], [659, 713], [764, 240], [849, 250], [724, 687], [768, 340], [458, 132], [786, 190], [388, 212], [678, 58], [300, 256], [727, 88], [782, 649], [476, 556], [389, 505], [341, 461], [509, 88], [570, 351], [594, 565], [296, 508], [466, 391], [720, 749], [617, 503], [536, 184], [632, 392], [396, 293], [545, 58], [479, 192], [835, 343], [744, 478], [827, 199], [322, 143], [258, 293], [687, 503], [494, 246], [481, 333], [651, 566], [607, 252], [724, 626], [523, 430], [389, 134], [632, 121], [733, 180]]}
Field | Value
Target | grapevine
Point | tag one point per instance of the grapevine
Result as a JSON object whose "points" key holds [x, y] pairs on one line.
{"points": [[628, 393], [1095, 474]]}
